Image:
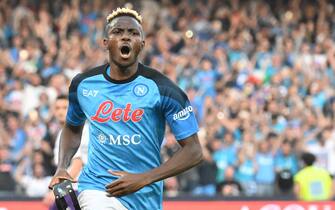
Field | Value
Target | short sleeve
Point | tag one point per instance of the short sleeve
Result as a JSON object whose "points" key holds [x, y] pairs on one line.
{"points": [[178, 112], [75, 115]]}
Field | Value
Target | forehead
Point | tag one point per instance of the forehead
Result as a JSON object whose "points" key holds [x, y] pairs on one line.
{"points": [[125, 22], [60, 102]]}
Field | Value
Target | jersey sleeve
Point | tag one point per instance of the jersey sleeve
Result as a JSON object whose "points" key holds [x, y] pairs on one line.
{"points": [[75, 115], [178, 112]]}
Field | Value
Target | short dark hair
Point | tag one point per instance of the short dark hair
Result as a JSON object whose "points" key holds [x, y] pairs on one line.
{"points": [[271, 135], [62, 97], [119, 12], [308, 158]]}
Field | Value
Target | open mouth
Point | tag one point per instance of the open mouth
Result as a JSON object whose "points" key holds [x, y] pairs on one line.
{"points": [[125, 51]]}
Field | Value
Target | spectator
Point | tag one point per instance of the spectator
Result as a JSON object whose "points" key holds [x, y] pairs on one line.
{"points": [[17, 137], [207, 172], [35, 129], [253, 70], [229, 187], [225, 156], [284, 181], [7, 182], [205, 78], [265, 174], [35, 185], [312, 183], [171, 187], [286, 159], [245, 171]]}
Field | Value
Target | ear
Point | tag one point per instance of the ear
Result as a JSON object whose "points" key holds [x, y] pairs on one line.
{"points": [[142, 44], [105, 43]]}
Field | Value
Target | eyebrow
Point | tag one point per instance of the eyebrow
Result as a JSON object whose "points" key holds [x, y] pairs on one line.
{"points": [[123, 28]]}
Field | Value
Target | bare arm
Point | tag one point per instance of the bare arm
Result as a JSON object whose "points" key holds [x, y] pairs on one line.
{"points": [[297, 191], [75, 167], [20, 171], [188, 156], [69, 144]]}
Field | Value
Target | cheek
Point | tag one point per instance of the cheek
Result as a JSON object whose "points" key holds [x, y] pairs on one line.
{"points": [[138, 46], [111, 44]]}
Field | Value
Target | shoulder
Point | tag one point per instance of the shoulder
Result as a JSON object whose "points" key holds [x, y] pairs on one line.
{"points": [[89, 73], [155, 75], [166, 86], [323, 171], [300, 175], [160, 79]]}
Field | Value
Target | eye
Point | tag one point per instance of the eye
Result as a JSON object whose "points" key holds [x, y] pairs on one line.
{"points": [[135, 33], [116, 31]]}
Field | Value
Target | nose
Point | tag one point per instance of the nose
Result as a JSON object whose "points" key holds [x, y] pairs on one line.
{"points": [[125, 37]]}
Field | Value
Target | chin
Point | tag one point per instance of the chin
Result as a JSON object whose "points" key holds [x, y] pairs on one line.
{"points": [[125, 63]]}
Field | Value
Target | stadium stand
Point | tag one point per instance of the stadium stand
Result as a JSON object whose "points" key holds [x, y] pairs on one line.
{"points": [[260, 75]]}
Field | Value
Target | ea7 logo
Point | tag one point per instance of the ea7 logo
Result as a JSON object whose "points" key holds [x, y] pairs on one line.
{"points": [[89, 93]]}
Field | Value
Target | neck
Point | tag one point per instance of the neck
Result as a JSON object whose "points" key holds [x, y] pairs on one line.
{"points": [[121, 73], [62, 123]]}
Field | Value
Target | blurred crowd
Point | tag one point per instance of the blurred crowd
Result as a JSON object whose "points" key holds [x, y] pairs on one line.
{"points": [[260, 75]]}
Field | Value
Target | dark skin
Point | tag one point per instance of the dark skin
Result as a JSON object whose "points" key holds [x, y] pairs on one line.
{"points": [[69, 144], [126, 31]]}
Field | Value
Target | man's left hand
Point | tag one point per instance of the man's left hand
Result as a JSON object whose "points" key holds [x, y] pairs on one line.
{"points": [[126, 183]]}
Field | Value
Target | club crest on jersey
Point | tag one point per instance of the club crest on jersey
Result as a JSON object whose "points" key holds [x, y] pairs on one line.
{"points": [[140, 90], [107, 112]]}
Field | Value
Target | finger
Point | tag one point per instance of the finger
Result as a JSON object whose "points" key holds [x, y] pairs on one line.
{"points": [[113, 184], [117, 193], [115, 188], [62, 178], [117, 173], [58, 180], [51, 186], [53, 183]]}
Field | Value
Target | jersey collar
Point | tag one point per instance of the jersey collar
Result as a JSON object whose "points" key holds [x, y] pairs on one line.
{"points": [[107, 70]]}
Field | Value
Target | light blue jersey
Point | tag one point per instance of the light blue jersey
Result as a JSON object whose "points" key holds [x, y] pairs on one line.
{"points": [[127, 124]]}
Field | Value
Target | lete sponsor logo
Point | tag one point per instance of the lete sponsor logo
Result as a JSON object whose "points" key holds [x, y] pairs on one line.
{"points": [[183, 114], [107, 112]]}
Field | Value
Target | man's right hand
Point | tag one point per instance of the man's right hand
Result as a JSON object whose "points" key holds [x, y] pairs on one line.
{"points": [[60, 175]]}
